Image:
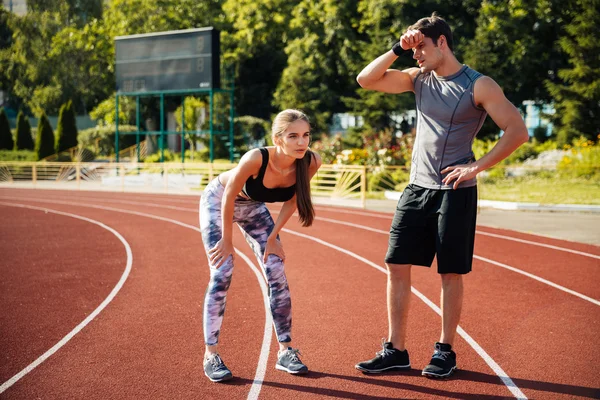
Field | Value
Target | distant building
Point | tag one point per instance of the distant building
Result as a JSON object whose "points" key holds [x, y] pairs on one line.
{"points": [[535, 116], [18, 7]]}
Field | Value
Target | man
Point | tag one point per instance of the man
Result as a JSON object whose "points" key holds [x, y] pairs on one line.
{"points": [[437, 211]]}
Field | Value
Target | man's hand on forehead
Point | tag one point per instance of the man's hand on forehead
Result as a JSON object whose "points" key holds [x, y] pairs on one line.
{"points": [[411, 39]]}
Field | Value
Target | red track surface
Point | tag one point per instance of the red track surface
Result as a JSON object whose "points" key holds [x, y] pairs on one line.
{"points": [[147, 342]]}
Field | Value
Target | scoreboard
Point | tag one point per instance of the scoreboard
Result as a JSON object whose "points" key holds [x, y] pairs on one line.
{"points": [[166, 61]]}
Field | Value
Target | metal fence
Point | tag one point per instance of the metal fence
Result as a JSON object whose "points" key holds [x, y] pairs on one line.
{"points": [[337, 182]]}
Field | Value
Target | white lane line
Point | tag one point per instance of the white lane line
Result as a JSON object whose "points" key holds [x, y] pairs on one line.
{"points": [[334, 221], [90, 317], [261, 368], [549, 246], [479, 232], [537, 278], [478, 349]]}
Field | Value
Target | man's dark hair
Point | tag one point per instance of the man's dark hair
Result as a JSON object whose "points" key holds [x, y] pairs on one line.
{"points": [[433, 27]]}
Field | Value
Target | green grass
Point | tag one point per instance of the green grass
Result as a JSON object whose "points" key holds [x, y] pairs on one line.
{"points": [[542, 190]]}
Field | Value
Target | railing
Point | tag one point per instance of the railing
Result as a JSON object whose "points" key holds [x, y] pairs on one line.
{"points": [[343, 184]]}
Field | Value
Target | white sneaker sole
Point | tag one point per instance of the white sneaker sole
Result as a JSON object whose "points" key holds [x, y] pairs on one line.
{"points": [[225, 378], [377, 371], [289, 371], [438, 376]]}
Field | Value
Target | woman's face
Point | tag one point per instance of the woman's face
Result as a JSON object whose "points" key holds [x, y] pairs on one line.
{"points": [[295, 139]]}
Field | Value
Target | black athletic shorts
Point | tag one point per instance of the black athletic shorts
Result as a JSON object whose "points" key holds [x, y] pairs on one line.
{"points": [[430, 222]]}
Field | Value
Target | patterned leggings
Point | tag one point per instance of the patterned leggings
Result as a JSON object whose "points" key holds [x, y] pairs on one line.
{"points": [[256, 224]]}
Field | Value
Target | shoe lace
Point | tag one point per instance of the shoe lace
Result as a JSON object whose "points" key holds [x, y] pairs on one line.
{"points": [[442, 355], [384, 351], [216, 362], [293, 355]]}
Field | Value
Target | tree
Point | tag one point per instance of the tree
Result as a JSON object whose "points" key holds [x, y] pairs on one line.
{"points": [[73, 11], [24, 140], [44, 140], [66, 131], [577, 95], [6, 139], [254, 44], [321, 60], [515, 45]]}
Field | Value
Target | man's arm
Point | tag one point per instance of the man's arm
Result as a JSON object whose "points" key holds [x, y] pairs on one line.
{"points": [[377, 75], [489, 95]]}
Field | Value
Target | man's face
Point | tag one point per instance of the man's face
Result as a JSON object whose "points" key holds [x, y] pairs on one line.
{"points": [[428, 55]]}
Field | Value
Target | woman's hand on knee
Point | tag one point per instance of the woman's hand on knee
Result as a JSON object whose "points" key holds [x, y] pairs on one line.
{"points": [[218, 254], [275, 247]]}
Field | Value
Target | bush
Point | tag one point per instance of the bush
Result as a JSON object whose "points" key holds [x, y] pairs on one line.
{"points": [[24, 139], [18, 155], [44, 140], [101, 139], [582, 162], [6, 138], [397, 179], [169, 156], [66, 131]]}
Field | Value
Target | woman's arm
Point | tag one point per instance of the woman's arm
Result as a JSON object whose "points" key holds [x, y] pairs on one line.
{"points": [[249, 165]]}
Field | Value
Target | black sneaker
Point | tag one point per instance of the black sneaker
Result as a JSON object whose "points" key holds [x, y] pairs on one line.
{"points": [[388, 358], [443, 362], [215, 369], [289, 361]]}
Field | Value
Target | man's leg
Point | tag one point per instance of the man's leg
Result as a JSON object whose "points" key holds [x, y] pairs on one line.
{"points": [[398, 303], [393, 355], [451, 301]]}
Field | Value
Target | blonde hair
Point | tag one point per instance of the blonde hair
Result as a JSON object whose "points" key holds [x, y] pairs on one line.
{"points": [[281, 122]]}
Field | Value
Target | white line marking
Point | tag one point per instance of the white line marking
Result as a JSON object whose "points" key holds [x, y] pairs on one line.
{"points": [[537, 278], [479, 232], [581, 253], [482, 353], [90, 317], [261, 368], [334, 221]]}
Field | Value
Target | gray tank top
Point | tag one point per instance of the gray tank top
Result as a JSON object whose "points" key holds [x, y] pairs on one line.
{"points": [[447, 122]]}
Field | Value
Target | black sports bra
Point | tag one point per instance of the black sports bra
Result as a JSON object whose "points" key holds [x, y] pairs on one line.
{"points": [[256, 190]]}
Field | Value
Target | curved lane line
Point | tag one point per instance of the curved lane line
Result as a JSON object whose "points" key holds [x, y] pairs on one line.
{"points": [[90, 317], [334, 221], [265, 347], [261, 369], [257, 384], [533, 243]]}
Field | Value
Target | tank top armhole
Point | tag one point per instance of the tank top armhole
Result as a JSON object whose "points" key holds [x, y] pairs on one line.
{"points": [[472, 94], [417, 77], [265, 161]]}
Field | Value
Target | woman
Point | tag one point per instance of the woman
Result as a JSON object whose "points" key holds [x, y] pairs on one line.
{"points": [[279, 173]]}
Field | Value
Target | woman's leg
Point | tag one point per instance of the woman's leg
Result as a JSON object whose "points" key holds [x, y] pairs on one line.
{"points": [[256, 223], [220, 279]]}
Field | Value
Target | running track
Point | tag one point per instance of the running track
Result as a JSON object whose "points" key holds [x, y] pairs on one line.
{"points": [[101, 298]]}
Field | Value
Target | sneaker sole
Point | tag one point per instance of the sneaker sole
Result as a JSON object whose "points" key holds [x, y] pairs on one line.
{"points": [[377, 371], [438, 376], [289, 371], [223, 379]]}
